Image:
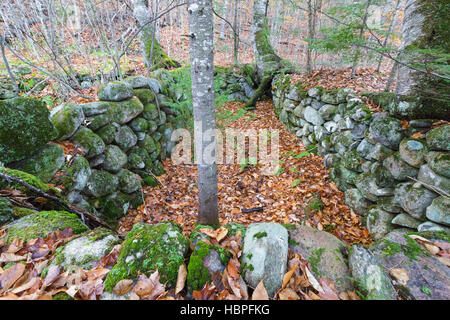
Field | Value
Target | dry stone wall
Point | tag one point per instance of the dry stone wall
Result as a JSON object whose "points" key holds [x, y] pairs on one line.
{"points": [[390, 179]]}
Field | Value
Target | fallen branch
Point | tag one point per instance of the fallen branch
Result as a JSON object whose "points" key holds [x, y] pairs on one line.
{"points": [[432, 188], [86, 217]]}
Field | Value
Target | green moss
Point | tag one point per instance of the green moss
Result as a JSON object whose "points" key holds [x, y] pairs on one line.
{"points": [[24, 127], [314, 260], [234, 227], [20, 212], [289, 226], [62, 296], [28, 178], [198, 275], [42, 223], [145, 95], [148, 248], [412, 249], [260, 235]]}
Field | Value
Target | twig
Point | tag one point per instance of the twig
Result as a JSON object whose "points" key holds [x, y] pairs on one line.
{"points": [[36, 86], [432, 188], [91, 219]]}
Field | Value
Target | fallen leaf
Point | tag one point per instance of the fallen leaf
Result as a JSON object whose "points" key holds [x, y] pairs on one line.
{"points": [[10, 276], [6, 257], [181, 279], [52, 275], [288, 275], [288, 294], [260, 292], [123, 287], [400, 275]]}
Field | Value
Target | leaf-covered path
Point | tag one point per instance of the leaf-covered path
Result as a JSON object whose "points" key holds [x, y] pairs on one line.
{"points": [[283, 196]]}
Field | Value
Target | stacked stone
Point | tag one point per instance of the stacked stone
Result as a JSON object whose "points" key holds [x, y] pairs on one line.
{"points": [[388, 178], [124, 137]]}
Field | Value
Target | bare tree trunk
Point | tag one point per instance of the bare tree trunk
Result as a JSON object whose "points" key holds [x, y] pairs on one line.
{"points": [[391, 26], [154, 55], [361, 36], [5, 60], [201, 30], [224, 13], [391, 77], [236, 34]]}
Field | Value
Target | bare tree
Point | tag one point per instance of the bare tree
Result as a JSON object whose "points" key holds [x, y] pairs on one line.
{"points": [[201, 32]]}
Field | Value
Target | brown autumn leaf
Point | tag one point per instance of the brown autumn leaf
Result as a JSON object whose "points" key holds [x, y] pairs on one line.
{"points": [[232, 270], [123, 287], [329, 290], [52, 275], [288, 275], [209, 232], [400, 275], [181, 279], [10, 276], [149, 288], [15, 245], [260, 292], [288, 294], [27, 285], [6, 257], [221, 233]]}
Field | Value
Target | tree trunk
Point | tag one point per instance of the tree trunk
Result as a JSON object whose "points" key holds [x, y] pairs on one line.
{"points": [[266, 60], [154, 55], [391, 27], [236, 34], [425, 26], [201, 32]]}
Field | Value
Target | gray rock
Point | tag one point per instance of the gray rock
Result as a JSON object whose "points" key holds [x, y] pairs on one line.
{"points": [[314, 92], [398, 168], [124, 111], [6, 211], [369, 275], [406, 220], [325, 253], [298, 111], [312, 116], [366, 184], [330, 126], [78, 174], [439, 138], [413, 200], [85, 250], [432, 227], [439, 162], [430, 177], [379, 152], [439, 210], [355, 200], [386, 131], [429, 279], [115, 91], [327, 111], [365, 148], [125, 138], [413, 151], [95, 108], [379, 222], [265, 254]]}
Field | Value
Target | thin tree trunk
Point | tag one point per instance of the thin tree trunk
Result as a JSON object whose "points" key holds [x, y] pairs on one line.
{"points": [[201, 30], [391, 77], [361, 36], [5, 60], [154, 55], [236, 34], [391, 26]]}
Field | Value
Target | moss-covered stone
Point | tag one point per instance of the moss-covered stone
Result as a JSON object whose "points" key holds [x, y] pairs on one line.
{"points": [[148, 248], [115, 91], [107, 133], [438, 138], [67, 118], [26, 177], [20, 212], [148, 144], [85, 250], [129, 182], [112, 207], [24, 127], [139, 125], [145, 95], [150, 112], [125, 111], [413, 151], [115, 158], [91, 143], [45, 162], [439, 162], [101, 183], [42, 223], [387, 131], [125, 138], [77, 174]]}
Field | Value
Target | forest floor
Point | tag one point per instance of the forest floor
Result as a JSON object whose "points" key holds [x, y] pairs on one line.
{"points": [[283, 196]]}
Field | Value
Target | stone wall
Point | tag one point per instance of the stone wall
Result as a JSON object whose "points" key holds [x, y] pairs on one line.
{"points": [[120, 142], [390, 179]]}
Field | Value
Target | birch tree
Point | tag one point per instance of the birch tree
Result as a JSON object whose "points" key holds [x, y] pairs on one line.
{"points": [[201, 32]]}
